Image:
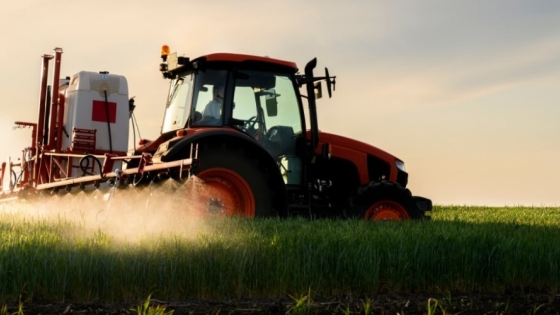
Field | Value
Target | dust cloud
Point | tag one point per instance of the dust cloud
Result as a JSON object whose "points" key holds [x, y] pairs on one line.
{"points": [[129, 214]]}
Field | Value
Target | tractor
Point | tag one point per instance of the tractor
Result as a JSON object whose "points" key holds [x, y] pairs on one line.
{"points": [[256, 154]]}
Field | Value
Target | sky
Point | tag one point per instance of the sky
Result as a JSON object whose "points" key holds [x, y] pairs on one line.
{"points": [[467, 93]]}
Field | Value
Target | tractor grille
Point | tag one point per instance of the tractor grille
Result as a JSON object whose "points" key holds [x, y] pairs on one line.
{"points": [[377, 169], [402, 178]]}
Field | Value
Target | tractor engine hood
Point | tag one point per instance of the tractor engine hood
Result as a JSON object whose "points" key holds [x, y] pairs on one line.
{"points": [[371, 162]]}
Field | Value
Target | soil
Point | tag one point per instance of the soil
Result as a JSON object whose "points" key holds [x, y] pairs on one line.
{"points": [[380, 304]]}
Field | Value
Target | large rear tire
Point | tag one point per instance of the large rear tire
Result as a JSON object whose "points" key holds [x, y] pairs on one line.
{"points": [[384, 201], [231, 183]]}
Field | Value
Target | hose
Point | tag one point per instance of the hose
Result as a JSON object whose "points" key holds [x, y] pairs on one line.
{"points": [[13, 179], [86, 166], [135, 181], [133, 130], [108, 122], [133, 120]]}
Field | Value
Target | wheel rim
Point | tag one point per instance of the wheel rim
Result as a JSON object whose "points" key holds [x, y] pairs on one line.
{"points": [[386, 210], [225, 193]]}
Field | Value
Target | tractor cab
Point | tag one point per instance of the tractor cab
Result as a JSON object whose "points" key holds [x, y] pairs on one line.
{"points": [[227, 93]]}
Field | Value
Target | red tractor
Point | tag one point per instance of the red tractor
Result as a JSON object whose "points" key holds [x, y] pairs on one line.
{"points": [[256, 154], [237, 122]]}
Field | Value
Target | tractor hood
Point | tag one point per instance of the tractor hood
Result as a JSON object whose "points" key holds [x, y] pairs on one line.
{"points": [[372, 163]]}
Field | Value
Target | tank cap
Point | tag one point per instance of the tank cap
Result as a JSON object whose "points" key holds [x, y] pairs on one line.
{"points": [[103, 72]]}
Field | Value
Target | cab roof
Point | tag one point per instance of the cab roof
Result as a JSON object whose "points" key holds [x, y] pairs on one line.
{"points": [[231, 57]]}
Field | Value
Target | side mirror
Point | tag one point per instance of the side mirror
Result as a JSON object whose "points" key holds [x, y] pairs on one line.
{"points": [[271, 103]]}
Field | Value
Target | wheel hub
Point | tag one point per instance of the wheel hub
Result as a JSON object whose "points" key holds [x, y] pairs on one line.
{"points": [[386, 210], [223, 192], [215, 206]]}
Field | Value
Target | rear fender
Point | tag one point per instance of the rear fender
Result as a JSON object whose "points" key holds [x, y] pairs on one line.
{"points": [[178, 148], [181, 150]]}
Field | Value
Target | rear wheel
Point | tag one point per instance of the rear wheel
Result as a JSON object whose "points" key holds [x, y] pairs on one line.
{"points": [[383, 201], [230, 183]]}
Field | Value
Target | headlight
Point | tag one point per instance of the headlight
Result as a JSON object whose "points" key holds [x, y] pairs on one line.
{"points": [[400, 165]]}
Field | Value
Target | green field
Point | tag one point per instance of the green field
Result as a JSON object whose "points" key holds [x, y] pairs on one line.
{"points": [[462, 249]]}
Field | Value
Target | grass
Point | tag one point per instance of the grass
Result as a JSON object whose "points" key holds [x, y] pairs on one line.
{"points": [[147, 309], [463, 249]]}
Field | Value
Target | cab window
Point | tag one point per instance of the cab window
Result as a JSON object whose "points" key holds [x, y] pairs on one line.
{"points": [[208, 98], [266, 108]]}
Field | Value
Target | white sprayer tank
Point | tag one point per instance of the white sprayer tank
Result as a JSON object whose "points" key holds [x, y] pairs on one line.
{"points": [[98, 101]]}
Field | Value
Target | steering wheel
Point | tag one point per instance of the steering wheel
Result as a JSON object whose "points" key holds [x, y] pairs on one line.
{"points": [[249, 125]]}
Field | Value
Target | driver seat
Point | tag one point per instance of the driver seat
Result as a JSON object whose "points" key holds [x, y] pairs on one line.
{"points": [[282, 138]]}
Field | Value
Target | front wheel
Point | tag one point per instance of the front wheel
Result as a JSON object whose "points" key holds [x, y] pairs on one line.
{"points": [[384, 201]]}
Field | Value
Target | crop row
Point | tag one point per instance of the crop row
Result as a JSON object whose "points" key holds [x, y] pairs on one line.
{"points": [[463, 249]]}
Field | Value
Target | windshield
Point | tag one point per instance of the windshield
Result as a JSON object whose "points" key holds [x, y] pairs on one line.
{"points": [[178, 104], [205, 95]]}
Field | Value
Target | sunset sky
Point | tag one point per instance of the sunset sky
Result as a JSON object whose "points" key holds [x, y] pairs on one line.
{"points": [[467, 93]]}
